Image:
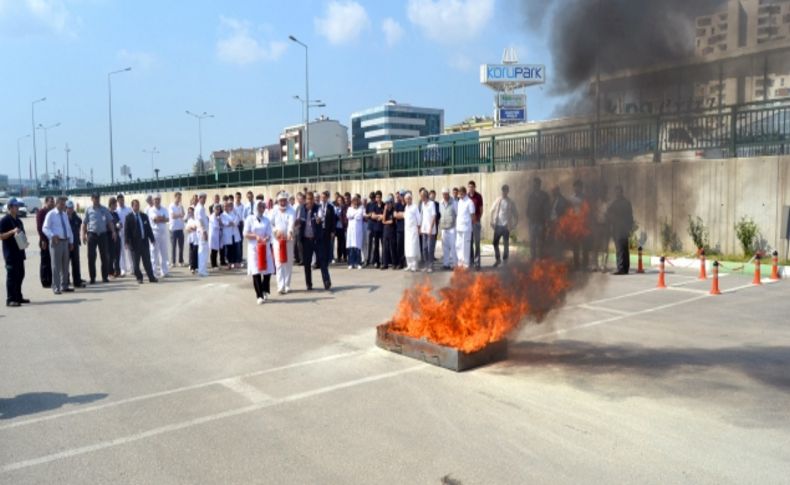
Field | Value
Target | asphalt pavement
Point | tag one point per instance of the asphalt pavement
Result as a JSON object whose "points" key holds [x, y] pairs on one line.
{"points": [[189, 381]]}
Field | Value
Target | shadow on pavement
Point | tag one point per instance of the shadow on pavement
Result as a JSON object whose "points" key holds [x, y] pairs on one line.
{"points": [[39, 402], [766, 364], [61, 301], [289, 301], [341, 289]]}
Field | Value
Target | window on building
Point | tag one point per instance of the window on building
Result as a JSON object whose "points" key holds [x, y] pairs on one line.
{"points": [[704, 22]]}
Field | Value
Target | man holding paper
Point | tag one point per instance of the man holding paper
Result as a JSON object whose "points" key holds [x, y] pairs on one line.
{"points": [[12, 233]]}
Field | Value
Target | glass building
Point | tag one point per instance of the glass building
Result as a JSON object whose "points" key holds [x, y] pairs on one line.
{"points": [[392, 121]]}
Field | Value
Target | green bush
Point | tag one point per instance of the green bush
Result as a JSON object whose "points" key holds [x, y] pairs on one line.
{"points": [[746, 230], [669, 239], [633, 238], [699, 233]]}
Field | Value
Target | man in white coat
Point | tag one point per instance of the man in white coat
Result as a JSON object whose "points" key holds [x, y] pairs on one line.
{"points": [[126, 256], [202, 230], [159, 218], [411, 223], [463, 228], [283, 219], [448, 212]]}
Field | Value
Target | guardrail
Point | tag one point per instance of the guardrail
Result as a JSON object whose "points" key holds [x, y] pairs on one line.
{"points": [[747, 130]]}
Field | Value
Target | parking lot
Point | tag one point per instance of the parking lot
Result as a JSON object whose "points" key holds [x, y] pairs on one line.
{"points": [[189, 381]]}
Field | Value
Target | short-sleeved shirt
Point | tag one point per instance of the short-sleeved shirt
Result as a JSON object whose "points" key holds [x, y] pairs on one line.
{"points": [[399, 226], [428, 224], [375, 225], [11, 251], [97, 219]]}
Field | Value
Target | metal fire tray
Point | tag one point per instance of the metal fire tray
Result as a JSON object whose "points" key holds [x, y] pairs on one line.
{"points": [[439, 355]]}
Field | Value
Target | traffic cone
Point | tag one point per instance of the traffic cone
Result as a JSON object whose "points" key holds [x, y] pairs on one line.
{"points": [[714, 289], [639, 267], [703, 275], [661, 282], [775, 267], [757, 279]]}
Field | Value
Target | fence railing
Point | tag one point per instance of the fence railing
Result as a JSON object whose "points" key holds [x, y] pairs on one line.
{"points": [[747, 130]]}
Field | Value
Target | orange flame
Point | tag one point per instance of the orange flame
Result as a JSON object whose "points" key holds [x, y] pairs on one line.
{"points": [[574, 225], [477, 309]]}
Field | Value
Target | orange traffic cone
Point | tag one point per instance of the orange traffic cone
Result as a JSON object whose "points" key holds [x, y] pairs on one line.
{"points": [[714, 289], [757, 279], [639, 267], [661, 282], [775, 267], [703, 275]]}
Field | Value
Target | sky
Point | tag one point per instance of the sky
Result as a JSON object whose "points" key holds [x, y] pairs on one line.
{"points": [[233, 59]]}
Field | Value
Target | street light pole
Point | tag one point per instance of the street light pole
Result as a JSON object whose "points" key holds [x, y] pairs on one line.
{"points": [[109, 103], [68, 150], [33, 122], [152, 152], [19, 159], [307, 96], [200, 118], [46, 129]]}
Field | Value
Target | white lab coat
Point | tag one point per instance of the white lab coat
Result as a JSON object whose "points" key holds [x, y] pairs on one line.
{"points": [[159, 252], [283, 223], [260, 227], [230, 228], [411, 227], [214, 233], [203, 226], [463, 231], [355, 232], [126, 255]]}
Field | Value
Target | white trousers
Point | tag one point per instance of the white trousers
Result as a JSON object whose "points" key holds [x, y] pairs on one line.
{"points": [[203, 252], [126, 259], [448, 247], [411, 263], [463, 244], [159, 254], [284, 270]]}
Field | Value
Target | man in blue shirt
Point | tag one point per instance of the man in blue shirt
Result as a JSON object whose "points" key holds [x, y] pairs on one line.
{"points": [[10, 227]]}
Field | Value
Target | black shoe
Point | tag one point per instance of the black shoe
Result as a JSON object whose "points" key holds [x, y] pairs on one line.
{"points": [[93, 282], [105, 280], [140, 282], [383, 268], [309, 288], [68, 290], [327, 285], [13, 303], [81, 284], [153, 280], [24, 300]]}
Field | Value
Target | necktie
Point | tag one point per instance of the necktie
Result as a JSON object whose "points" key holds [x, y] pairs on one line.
{"points": [[140, 223], [63, 226]]}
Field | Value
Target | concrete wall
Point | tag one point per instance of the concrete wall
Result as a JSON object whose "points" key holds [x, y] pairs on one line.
{"points": [[719, 191]]}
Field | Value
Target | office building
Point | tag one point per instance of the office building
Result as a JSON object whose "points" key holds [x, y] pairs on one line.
{"points": [[328, 138], [393, 121]]}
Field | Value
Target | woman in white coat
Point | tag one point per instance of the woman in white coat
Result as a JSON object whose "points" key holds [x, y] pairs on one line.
{"points": [[258, 231], [411, 223], [215, 234], [355, 233]]}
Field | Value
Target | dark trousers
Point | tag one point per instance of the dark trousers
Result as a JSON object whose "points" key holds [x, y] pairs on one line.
{"points": [[45, 268], [261, 283], [623, 255], [324, 257], [390, 250], [177, 240], [581, 254], [308, 249], [354, 257], [193, 257], [323, 252], [76, 274], [499, 233], [230, 253], [374, 242], [223, 256], [100, 242], [298, 252], [537, 237], [340, 237], [214, 258], [115, 256], [143, 253], [15, 273], [400, 240]]}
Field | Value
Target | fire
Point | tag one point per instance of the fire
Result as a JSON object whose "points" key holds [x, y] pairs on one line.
{"points": [[573, 226], [477, 309]]}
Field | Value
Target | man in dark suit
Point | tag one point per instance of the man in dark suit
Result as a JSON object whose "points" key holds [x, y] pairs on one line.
{"points": [[311, 235], [138, 234], [328, 227]]}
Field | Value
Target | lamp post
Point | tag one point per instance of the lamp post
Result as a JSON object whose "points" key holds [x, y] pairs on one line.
{"points": [[109, 104], [306, 95], [152, 152], [200, 118], [68, 150], [46, 129], [19, 159], [33, 122]]}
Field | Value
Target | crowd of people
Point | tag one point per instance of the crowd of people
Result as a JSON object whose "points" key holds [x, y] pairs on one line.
{"points": [[314, 230]]}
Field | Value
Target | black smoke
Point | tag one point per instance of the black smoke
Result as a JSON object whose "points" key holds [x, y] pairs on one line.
{"points": [[614, 35]]}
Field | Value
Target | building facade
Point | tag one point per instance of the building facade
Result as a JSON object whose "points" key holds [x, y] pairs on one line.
{"points": [[328, 138], [393, 121]]}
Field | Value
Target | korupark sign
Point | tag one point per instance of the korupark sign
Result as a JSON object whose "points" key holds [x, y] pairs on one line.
{"points": [[510, 74]]}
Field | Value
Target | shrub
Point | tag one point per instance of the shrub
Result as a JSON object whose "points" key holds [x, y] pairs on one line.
{"points": [[698, 233], [633, 239], [669, 238], [746, 230]]}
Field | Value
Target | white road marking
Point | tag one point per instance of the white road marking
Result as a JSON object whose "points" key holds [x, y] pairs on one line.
{"points": [[603, 309], [203, 420], [618, 317], [181, 389], [688, 290], [252, 393]]}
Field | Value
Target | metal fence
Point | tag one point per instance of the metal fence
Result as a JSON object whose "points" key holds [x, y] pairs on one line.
{"points": [[748, 130]]}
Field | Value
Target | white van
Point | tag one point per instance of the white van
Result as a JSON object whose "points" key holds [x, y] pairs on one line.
{"points": [[33, 204]]}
